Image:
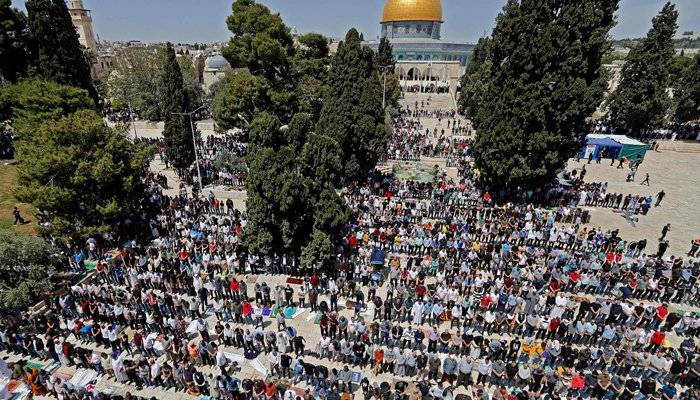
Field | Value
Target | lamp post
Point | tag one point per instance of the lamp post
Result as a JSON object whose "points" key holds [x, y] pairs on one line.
{"points": [[384, 69], [239, 115], [194, 143], [133, 123]]}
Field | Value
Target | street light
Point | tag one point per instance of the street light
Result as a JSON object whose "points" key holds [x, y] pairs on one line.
{"points": [[384, 69], [239, 115], [194, 142], [133, 123]]}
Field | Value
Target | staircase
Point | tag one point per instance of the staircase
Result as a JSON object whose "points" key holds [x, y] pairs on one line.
{"points": [[680, 146]]}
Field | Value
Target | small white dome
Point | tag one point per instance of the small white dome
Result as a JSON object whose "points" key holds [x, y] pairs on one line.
{"points": [[216, 61]]}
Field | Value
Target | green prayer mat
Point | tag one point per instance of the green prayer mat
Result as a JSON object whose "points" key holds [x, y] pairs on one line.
{"points": [[32, 365]]}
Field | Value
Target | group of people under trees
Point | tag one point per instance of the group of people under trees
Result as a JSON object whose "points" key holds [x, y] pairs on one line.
{"points": [[437, 290], [470, 296], [411, 140], [221, 162]]}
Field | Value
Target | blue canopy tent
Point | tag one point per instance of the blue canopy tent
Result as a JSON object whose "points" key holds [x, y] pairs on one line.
{"points": [[596, 145]]}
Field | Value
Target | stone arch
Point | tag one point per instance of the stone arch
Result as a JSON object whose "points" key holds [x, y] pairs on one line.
{"points": [[431, 74], [413, 74], [444, 74], [400, 72]]}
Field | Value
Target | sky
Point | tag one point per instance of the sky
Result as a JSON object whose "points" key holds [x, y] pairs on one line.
{"points": [[189, 21]]}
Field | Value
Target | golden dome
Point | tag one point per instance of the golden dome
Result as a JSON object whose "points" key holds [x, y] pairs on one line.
{"points": [[412, 10]]}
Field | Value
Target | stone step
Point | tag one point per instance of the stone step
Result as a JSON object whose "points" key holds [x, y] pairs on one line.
{"points": [[680, 146]]}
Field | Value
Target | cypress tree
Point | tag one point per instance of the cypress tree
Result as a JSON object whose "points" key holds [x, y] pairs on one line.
{"points": [[385, 55], [177, 132], [13, 30], [55, 51], [640, 102], [352, 113], [688, 96], [544, 79], [472, 82]]}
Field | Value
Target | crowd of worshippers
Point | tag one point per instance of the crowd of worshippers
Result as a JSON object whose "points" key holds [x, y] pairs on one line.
{"points": [[596, 194], [501, 297], [410, 140], [423, 88], [221, 162], [569, 319], [119, 115]]}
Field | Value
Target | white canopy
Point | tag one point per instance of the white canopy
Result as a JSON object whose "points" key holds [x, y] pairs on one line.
{"points": [[622, 139]]}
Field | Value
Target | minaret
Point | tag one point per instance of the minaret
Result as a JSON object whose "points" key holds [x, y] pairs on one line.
{"points": [[82, 20]]}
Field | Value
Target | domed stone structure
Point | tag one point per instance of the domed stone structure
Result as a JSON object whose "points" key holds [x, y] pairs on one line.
{"points": [[412, 10], [412, 19], [215, 66], [424, 61], [216, 61]]}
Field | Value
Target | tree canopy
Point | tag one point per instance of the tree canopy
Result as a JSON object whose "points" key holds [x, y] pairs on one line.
{"points": [[54, 49], [26, 266], [314, 120], [385, 55], [687, 96], [83, 175], [177, 132], [13, 40], [640, 103], [679, 65], [261, 41], [135, 80], [384, 61], [31, 102], [241, 95], [190, 82], [542, 77], [285, 78], [473, 82], [352, 113]]}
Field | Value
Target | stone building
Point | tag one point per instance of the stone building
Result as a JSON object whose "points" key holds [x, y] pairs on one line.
{"points": [[423, 60], [215, 67], [82, 21]]}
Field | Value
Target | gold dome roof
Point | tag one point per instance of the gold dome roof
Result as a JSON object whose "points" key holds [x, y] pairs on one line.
{"points": [[412, 10]]}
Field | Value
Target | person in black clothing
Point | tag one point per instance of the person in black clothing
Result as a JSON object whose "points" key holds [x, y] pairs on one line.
{"points": [[298, 342], [659, 196], [641, 245], [646, 180], [201, 382], [664, 231], [18, 217], [648, 387], [662, 248], [286, 364], [288, 293]]}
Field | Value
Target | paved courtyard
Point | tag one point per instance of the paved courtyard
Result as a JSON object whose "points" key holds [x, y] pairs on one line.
{"points": [[673, 172]]}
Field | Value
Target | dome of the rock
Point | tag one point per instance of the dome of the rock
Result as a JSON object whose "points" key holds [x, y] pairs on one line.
{"points": [[412, 10]]}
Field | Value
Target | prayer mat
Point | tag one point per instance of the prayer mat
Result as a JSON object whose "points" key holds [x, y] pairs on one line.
{"points": [[289, 312], [32, 365], [294, 280]]}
